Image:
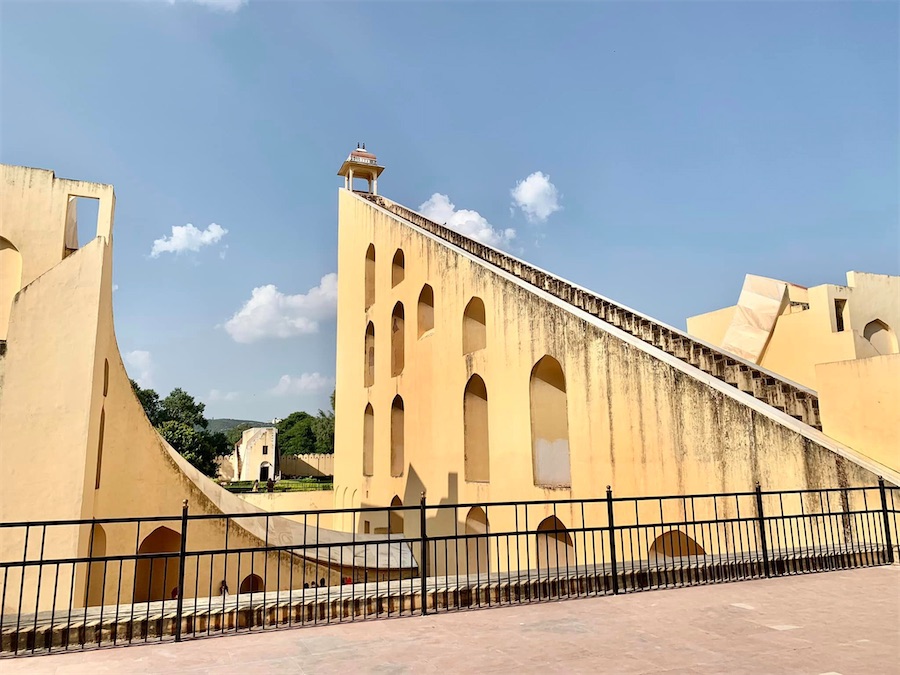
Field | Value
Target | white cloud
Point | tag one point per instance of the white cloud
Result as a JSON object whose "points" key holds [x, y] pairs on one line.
{"points": [[469, 223], [115, 287], [307, 383], [536, 196], [269, 313], [187, 238], [218, 395], [223, 5], [140, 366]]}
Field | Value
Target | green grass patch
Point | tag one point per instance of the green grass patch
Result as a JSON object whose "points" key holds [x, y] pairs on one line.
{"points": [[285, 485]]}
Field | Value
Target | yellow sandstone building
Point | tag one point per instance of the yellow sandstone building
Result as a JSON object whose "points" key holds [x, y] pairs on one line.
{"points": [[839, 340], [473, 376], [462, 372]]}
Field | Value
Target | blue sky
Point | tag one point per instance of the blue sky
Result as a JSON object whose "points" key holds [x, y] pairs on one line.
{"points": [[686, 144]]}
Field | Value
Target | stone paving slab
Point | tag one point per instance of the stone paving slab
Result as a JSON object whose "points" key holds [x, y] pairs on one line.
{"points": [[845, 623]]}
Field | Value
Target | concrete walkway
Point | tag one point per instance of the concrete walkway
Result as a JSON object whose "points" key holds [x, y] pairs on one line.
{"points": [[845, 623]]}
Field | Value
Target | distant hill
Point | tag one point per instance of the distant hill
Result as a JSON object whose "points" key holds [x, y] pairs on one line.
{"points": [[224, 424]]}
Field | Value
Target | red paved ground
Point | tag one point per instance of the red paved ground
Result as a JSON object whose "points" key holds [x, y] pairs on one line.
{"points": [[845, 623]]}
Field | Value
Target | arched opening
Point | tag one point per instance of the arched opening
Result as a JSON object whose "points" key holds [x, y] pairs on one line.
{"points": [[477, 549], [397, 433], [370, 276], [549, 425], [881, 337], [554, 545], [426, 310], [397, 333], [675, 544], [398, 268], [395, 518], [474, 328], [475, 431], [100, 448], [96, 575], [369, 441], [252, 583], [265, 472], [370, 355], [10, 281], [156, 577]]}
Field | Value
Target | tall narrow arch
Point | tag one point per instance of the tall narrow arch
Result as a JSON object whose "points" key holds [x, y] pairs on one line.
{"points": [[369, 441], [477, 556], [474, 326], [426, 310], [100, 435], [397, 437], [395, 518], [94, 591], [554, 545], [475, 431], [156, 577], [370, 276], [550, 425], [369, 355], [398, 267], [10, 281], [397, 340], [881, 337]]}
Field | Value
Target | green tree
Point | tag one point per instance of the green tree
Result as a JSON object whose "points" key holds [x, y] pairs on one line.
{"points": [[323, 426], [199, 447], [296, 435], [179, 419], [150, 402], [180, 406]]}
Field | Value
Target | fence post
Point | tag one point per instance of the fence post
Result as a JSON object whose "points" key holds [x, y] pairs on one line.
{"points": [[887, 522], [612, 539], [179, 606], [423, 558], [761, 522]]}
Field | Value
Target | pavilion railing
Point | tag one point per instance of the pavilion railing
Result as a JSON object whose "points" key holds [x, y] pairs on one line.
{"points": [[191, 575]]}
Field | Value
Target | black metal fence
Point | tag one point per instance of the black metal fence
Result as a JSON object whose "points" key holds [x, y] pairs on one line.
{"points": [[172, 578]]}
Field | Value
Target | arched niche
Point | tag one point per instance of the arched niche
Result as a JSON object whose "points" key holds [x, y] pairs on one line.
{"points": [[881, 337], [550, 425], [98, 570], [398, 432], [477, 556], [252, 583], [425, 310], [398, 267], [474, 327], [370, 276], [369, 355], [369, 441], [554, 545], [156, 577], [395, 518], [10, 282], [100, 435], [397, 340], [475, 431], [675, 544]]}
